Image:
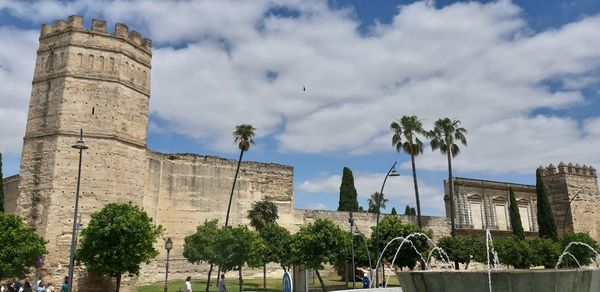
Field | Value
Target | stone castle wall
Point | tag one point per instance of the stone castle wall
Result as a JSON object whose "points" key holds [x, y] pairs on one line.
{"points": [[182, 191], [11, 193], [574, 197]]}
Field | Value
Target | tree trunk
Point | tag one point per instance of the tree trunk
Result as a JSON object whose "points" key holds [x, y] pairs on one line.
{"points": [[265, 275], [467, 264], [233, 187], [414, 171], [240, 277], [451, 189], [321, 281], [208, 280], [118, 286]]}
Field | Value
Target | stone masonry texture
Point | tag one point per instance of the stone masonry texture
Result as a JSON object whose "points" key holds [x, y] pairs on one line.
{"points": [[99, 81]]}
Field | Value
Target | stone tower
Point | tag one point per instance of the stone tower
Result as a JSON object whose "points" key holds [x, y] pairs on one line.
{"points": [[574, 196], [94, 80]]}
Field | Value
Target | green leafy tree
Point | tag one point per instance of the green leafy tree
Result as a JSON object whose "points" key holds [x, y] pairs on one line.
{"points": [[514, 251], [409, 211], [243, 135], [394, 211], [545, 252], [19, 247], [515, 217], [460, 249], [278, 241], [238, 246], [445, 133], [392, 227], [202, 246], [117, 240], [545, 217], [348, 195], [320, 242], [377, 201], [583, 254], [1, 187], [261, 214], [406, 139]]}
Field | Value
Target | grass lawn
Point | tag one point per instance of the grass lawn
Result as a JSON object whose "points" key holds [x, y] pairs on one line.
{"points": [[254, 285]]}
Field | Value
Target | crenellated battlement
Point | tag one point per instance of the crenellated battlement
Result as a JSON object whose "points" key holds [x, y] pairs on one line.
{"points": [[562, 168], [75, 23]]}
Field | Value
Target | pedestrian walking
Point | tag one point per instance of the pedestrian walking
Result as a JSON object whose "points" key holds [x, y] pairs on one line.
{"points": [[222, 287], [188, 284]]}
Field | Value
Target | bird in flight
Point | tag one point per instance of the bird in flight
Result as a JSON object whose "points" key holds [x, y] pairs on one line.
{"points": [[303, 88]]}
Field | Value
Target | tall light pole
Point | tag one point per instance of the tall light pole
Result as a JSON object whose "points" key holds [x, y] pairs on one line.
{"points": [[391, 172], [168, 247], [351, 221], [576, 196], [81, 146]]}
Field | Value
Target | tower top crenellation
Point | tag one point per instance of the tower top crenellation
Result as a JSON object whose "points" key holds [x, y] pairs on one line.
{"points": [[570, 168], [75, 23]]}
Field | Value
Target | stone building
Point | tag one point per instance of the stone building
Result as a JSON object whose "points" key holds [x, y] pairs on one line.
{"points": [[483, 204], [99, 81]]}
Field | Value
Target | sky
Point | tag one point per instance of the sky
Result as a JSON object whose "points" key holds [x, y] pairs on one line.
{"points": [[523, 77]]}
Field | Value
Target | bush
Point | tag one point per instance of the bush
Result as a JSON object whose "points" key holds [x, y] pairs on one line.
{"points": [[545, 252], [513, 251], [583, 254]]}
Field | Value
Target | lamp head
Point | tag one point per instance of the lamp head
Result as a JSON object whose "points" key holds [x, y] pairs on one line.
{"points": [[169, 244], [79, 145], [394, 172]]}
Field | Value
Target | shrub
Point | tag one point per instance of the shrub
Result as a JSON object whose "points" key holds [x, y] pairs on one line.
{"points": [[545, 252], [583, 254], [513, 251]]}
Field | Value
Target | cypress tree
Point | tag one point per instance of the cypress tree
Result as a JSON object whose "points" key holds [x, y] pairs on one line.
{"points": [[1, 187], [348, 196], [394, 211], [407, 210], [546, 222], [515, 217]]}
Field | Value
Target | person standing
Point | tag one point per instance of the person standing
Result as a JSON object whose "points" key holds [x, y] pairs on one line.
{"points": [[222, 287], [65, 285], [27, 287], [188, 284]]}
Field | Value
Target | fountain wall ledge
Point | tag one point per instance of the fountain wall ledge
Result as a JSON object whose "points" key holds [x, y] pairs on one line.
{"points": [[579, 280]]}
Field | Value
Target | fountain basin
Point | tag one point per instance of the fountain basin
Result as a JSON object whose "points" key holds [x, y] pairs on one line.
{"points": [[579, 280]]}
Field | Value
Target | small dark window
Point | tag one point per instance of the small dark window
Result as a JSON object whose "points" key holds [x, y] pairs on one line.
{"points": [[93, 110]]}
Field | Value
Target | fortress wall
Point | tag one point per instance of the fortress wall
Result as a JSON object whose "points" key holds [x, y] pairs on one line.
{"points": [[11, 193], [439, 226], [574, 196], [184, 190]]}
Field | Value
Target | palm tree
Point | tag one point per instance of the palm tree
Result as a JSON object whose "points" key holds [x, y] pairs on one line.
{"points": [[261, 214], [242, 135], [406, 138], [377, 202], [445, 132]]}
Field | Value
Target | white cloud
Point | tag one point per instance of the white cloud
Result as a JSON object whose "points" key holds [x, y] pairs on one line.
{"points": [[17, 61], [399, 189], [241, 63], [315, 206]]}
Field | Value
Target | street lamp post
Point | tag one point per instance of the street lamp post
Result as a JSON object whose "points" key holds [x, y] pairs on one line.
{"points": [[80, 145], [576, 196], [351, 221], [168, 247], [391, 172]]}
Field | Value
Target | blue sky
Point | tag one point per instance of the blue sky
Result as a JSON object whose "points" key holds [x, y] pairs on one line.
{"points": [[523, 76]]}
